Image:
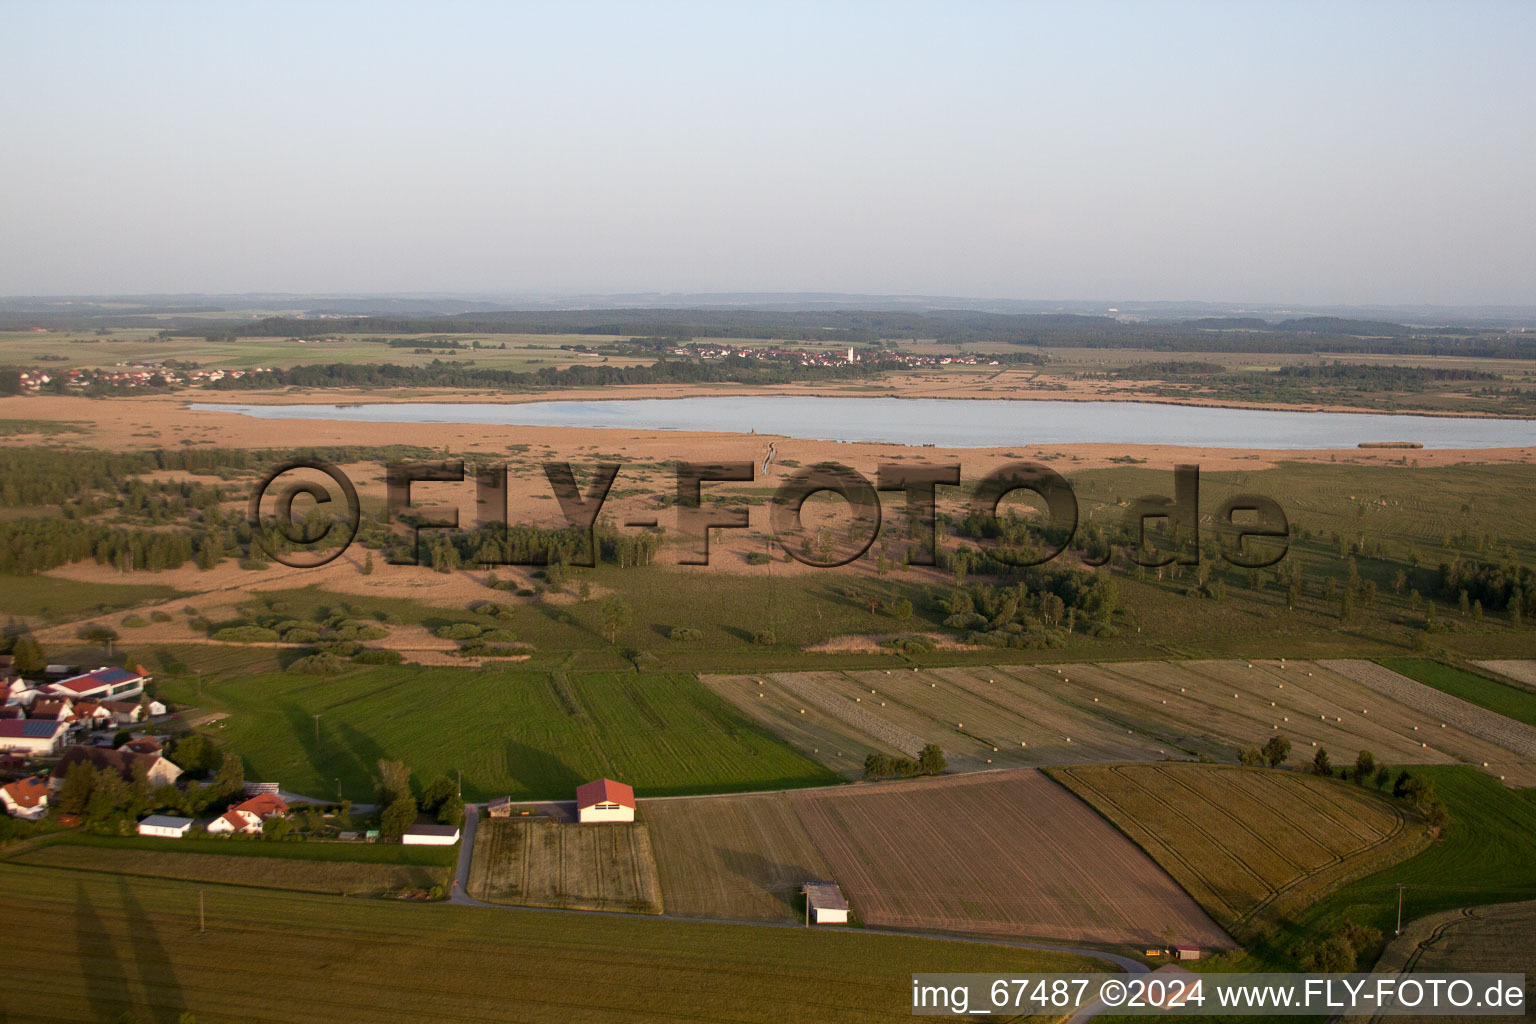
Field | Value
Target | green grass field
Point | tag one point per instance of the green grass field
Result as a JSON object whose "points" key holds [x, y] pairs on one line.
{"points": [[119, 944], [356, 853], [1487, 855], [343, 878], [57, 600], [512, 731], [1509, 701]]}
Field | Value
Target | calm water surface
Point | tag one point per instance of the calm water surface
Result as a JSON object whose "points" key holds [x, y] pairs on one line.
{"points": [[946, 422]]}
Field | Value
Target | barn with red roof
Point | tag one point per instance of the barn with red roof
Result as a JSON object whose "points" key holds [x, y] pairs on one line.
{"points": [[605, 800]]}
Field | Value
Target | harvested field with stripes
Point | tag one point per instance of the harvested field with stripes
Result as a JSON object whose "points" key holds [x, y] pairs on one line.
{"points": [[581, 867], [998, 853], [1466, 716], [1028, 715], [738, 858], [1252, 845]]}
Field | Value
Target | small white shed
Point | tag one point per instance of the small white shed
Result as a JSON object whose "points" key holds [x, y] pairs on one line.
{"points": [[824, 903]]}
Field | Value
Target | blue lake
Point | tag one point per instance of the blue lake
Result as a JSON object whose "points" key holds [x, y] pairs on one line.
{"points": [[949, 423]]}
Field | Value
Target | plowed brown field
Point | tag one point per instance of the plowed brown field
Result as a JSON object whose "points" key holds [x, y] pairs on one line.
{"points": [[733, 857], [1005, 853]]}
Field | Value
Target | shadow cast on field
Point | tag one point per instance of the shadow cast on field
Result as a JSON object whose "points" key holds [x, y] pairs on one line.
{"points": [[781, 881], [328, 751], [151, 961], [537, 771], [103, 981]]}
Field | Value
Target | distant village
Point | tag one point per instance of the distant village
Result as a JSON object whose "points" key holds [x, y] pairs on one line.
{"points": [[173, 373], [146, 374]]}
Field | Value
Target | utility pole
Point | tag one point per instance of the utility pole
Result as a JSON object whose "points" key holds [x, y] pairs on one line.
{"points": [[317, 730], [202, 924], [461, 782], [1400, 888], [338, 791]]}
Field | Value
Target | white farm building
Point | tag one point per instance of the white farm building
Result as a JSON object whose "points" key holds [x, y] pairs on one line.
{"points": [[605, 800], [165, 826]]}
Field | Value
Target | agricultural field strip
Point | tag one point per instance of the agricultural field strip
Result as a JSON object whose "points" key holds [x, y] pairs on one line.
{"points": [[1005, 716], [606, 866], [1241, 857], [1347, 819], [1493, 939], [1359, 717], [263, 872], [907, 855], [1154, 821], [1142, 833], [814, 733], [1466, 716], [334, 959], [1519, 673], [812, 687], [731, 857]]}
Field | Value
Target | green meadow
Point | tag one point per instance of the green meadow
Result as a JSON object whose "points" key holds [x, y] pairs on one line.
{"points": [[512, 731]]}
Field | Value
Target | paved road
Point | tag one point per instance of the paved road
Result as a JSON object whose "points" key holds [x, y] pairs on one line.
{"points": [[460, 896]]}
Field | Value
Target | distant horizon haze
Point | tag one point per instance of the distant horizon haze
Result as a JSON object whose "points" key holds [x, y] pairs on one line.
{"points": [[1267, 154]]}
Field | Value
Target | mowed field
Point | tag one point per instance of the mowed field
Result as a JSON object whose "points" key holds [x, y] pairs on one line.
{"points": [[520, 733], [1002, 716], [1250, 844], [1494, 939], [732, 857], [343, 878], [116, 945], [998, 853], [541, 863]]}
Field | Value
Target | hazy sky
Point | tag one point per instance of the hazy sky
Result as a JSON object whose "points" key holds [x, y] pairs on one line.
{"points": [[1281, 152]]}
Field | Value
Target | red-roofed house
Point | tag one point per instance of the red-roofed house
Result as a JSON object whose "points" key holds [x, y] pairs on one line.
{"points": [[38, 738], [61, 710], [92, 715], [25, 799], [264, 805], [143, 745], [235, 820], [102, 684], [605, 800]]}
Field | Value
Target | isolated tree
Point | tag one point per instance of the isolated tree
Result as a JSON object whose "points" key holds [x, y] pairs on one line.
{"points": [[106, 636], [1383, 776], [79, 781], [397, 817], [231, 776], [1320, 764], [437, 791], [27, 657], [617, 615], [194, 753], [1277, 751], [451, 811], [1251, 757], [1365, 766], [109, 797], [931, 760]]}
